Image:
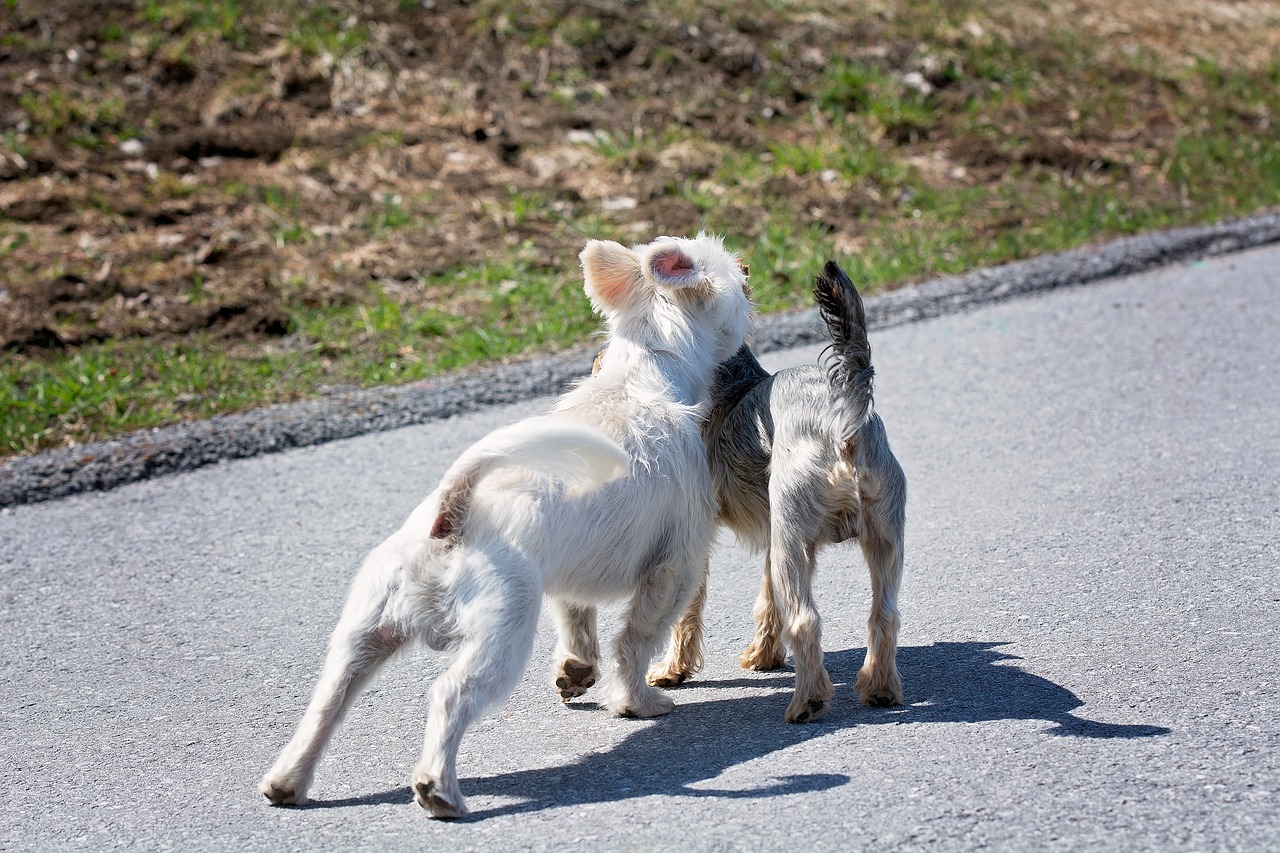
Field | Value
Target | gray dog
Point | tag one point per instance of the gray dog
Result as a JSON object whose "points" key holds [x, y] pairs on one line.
{"points": [[800, 459]]}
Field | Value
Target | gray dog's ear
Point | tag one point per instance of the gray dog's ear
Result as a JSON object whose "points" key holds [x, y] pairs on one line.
{"points": [[610, 272]]}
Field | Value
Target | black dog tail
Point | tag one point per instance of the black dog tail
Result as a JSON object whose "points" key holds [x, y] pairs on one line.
{"points": [[848, 359]]}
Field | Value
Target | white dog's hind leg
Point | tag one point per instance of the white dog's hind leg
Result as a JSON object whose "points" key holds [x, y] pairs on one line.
{"points": [[578, 649], [497, 627], [363, 639]]}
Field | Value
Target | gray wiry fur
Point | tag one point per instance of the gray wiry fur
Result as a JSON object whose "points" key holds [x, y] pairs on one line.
{"points": [[800, 460]]}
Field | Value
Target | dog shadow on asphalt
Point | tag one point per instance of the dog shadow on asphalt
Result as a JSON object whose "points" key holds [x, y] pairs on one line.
{"points": [[680, 754]]}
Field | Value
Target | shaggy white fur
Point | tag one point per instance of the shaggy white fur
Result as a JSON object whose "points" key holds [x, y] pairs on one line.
{"points": [[607, 496]]}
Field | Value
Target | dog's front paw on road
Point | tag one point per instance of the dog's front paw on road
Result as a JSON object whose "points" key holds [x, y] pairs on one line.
{"points": [[439, 803], [806, 710], [573, 678], [878, 689], [281, 791], [649, 703], [668, 675], [811, 699], [762, 656]]}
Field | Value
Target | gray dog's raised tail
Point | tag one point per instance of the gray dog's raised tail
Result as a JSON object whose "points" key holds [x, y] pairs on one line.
{"points": [[848, 359]]}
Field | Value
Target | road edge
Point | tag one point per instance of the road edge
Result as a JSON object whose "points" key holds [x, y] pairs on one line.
{"points": [[142, 455]]}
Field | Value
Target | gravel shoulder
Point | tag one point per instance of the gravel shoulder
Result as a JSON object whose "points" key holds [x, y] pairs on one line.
{"points": [[185, 447]]}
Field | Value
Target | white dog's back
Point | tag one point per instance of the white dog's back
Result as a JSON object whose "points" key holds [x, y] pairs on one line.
{"points": [[593, 546], [572, 452]]}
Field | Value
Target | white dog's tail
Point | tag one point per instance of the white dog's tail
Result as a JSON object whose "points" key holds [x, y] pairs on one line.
{"points": [[849, 370], [578, 455]]}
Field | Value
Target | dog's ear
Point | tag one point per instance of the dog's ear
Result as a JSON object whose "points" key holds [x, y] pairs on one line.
{"points": [[672, 266], [609, 271]]}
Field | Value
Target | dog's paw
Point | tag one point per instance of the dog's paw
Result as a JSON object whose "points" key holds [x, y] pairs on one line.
{"points": [[806, 710], [879, 688], [668, 675], [283, 791], [812, 698], [573, 677], [440, 803], [650, 702], [762, 656]]}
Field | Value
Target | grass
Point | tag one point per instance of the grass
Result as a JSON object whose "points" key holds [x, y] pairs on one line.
{"points": [[1011, 148], [84, 122], [121, 386], [315, 28]]}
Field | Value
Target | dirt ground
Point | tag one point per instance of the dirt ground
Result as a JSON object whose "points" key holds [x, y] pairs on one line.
{"points": [[159, 180]]}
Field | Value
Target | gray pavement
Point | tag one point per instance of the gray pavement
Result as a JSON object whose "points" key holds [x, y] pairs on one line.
{"points": [[1091, 625]]}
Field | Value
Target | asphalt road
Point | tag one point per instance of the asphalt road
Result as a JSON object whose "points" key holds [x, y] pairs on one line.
{"points": [[1089, 652]]}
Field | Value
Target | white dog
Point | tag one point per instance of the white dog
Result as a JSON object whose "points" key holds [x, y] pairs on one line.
{"points": [[607, 496]]}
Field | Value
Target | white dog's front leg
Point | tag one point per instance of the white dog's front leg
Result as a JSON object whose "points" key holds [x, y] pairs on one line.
{"points": [[654, 607], [577, 649]]}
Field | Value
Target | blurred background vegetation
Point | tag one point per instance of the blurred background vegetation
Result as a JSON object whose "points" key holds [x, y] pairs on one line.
{"points": [[206, 206]]}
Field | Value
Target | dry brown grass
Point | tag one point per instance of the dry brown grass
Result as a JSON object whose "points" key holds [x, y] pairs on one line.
{"points": [[171, 175]]}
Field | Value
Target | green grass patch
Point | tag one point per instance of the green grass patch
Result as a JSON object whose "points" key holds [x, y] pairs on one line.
{"points": [[83, 121], [1019, 143], [113, 388], [220, 18], [319, 28], [105, 389]]}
